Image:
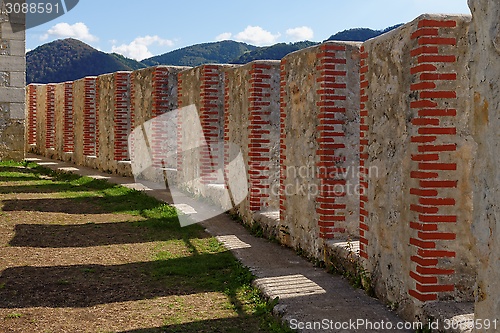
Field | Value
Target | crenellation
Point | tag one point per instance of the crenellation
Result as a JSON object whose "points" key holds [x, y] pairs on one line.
{"points": [[378, 158]]}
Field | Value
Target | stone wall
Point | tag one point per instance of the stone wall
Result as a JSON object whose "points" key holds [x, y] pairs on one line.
{"points": [[389, 144], [201, 149], [319, 145], [484, 87], [113, 101], [417, 208], [12, 85], [252, 124]]}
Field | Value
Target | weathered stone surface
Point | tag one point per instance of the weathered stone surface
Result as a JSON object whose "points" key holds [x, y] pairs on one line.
{"points": [[107, 122], [485, 85], [58, 150], [41, 119], [319, 137], [407, 131], [201, 140], [12, 91], [252, 124]]}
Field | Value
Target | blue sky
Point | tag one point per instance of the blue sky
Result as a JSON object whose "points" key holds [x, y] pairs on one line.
{"points": [[140, 29]]}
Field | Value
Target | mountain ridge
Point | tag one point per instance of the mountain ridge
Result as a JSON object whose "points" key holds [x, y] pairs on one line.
{"points": [[70, 59]]}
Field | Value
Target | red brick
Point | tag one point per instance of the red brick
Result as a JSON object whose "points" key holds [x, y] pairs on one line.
{"points": [[438, 166], [436, 254], [424, 261], [424, 50], [437, 218], [423, 279], [423, 226], [437, 113], [437, 201], [437, 235], [434, 271], [425, 32], [435, 288], [439, 184], [423, 86], [423, 175], [436, 58], [423, 68], [437, 41], [423, 193], [425, 121], [425, 157], [438, 94], [438, 76], [422, 297], [437, 24], [437, 130], [422, 244]]}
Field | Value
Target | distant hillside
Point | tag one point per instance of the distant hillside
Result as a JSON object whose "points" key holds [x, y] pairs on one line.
{"points": [[217, 53], [360, 34], [70, 59], [274, 52]]}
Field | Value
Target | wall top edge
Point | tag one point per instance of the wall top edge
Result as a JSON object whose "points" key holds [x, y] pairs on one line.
{"points": [[201, 67], [350, 47], [249, 65], [412, 25]]}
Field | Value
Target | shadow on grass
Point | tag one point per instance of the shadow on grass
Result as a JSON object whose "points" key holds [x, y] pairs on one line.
{"points": [[89, 285], [101, 234], [223, 325]]}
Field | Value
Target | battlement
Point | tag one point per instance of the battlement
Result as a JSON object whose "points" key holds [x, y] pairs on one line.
{"points": [[388, 146]]}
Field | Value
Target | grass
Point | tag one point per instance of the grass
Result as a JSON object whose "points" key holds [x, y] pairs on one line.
{"points": [[13, 315], [185, 261]]}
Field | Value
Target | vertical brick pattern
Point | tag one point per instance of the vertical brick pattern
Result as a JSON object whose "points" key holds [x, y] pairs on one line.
{"points": [[133, 93], [179, 124], [32, 105], [363, 156], [283, 118], [227, 139], [434, 163], [122, 121], [159, 136], [210, 122], [68, 138], [259, 150], [90, 118], [332, 96], [50, 113], [133, 113]]}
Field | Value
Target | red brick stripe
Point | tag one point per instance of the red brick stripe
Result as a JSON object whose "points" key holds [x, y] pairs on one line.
{"points": [[435, 103]]}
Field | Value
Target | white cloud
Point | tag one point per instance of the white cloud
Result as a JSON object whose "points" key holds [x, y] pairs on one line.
{"points": [[138, 49], [256, 35], [300, 33], [224, 36], [65, 30]]}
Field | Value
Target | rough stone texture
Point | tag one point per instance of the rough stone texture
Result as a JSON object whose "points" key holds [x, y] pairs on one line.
{"points": [[82, 142], [319, 137], [114, 109], [31, 111], [203, 88], [252, 124], [485, 85], [58, 150], [424, 137], [41, 119], [153, 94], [419, 196], [12, 86]]}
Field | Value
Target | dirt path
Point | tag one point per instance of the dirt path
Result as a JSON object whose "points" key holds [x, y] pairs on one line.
{"points": [[69, 265]]}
